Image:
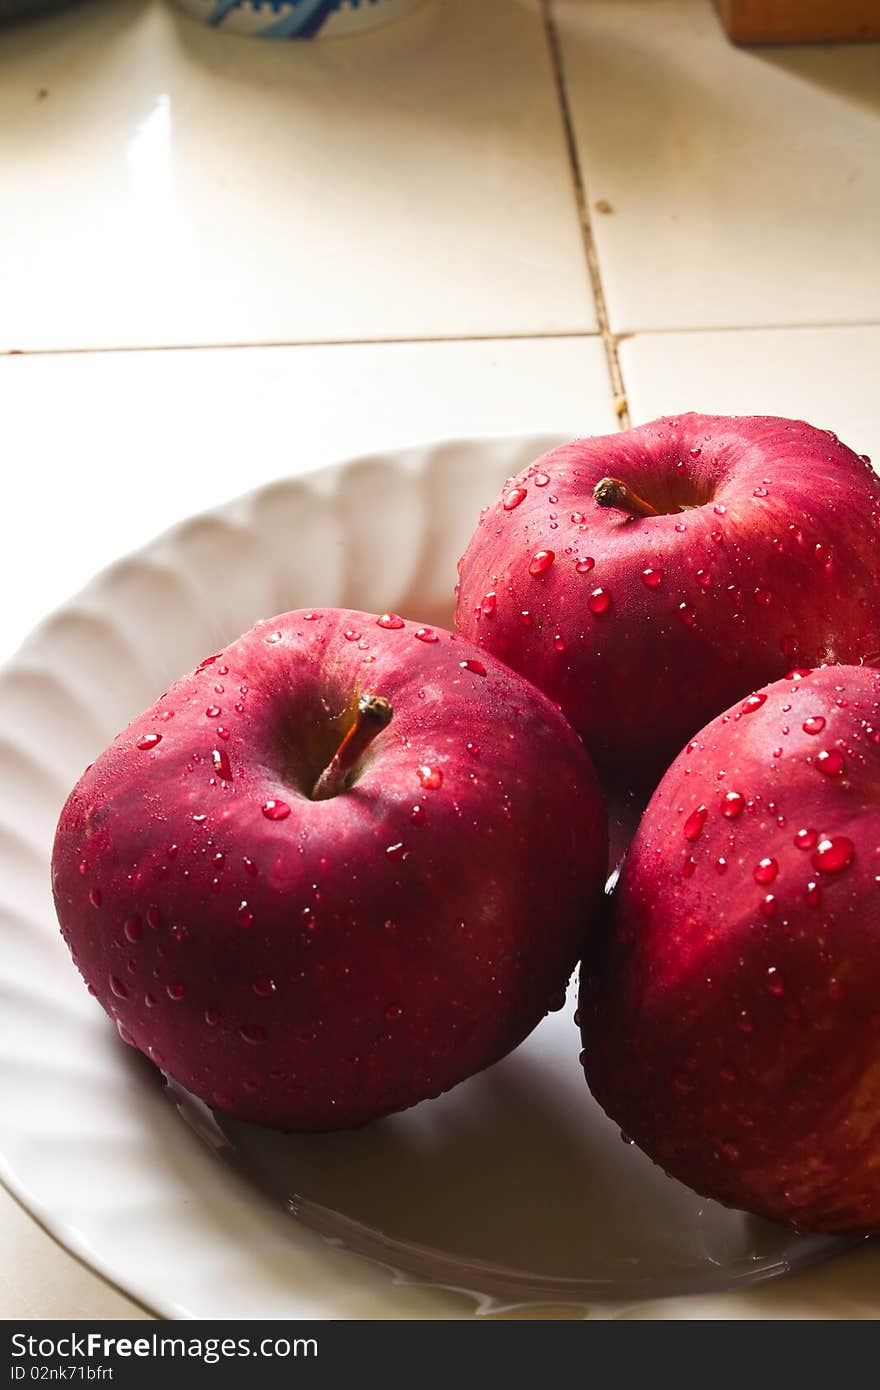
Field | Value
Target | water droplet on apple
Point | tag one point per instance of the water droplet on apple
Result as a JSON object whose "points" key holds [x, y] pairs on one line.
{"points": [[689, 868], [96, 897], [720, 509], [275, 810], [752, 703], [813, 894], [430, 778], [835, 988], [693, 826], [769, 906], [489, 604], [245, 915], [149, 741], [814, 725], [118, 988], [426, 634], [652, 579], [541, 480], [833, 854], [176, 992], [686, 614], [393, 1011], [212, 1017], [389, 621], [599, 601], [475, 667], [830, 762], [213, 712], [541, 562], [765, 871], [397, 851], [732, 805], [208, 661], [264, 985], [252, 1033], [513, 498], [763, 598], [585, 565], [220, 759]]}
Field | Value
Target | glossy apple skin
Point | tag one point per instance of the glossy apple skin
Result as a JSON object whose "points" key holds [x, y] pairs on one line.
{"points": [[778, 566], [366, 951], [730, 1013]]}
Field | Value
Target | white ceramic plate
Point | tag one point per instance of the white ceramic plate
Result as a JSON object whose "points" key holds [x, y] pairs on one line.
{"points": [[511, 1191]]}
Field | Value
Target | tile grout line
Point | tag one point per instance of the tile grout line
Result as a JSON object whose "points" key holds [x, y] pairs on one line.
{"points": [[562, 334], [621, 408]]}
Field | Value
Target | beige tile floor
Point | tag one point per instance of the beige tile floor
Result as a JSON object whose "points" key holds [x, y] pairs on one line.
{"points": [[491, 217]]}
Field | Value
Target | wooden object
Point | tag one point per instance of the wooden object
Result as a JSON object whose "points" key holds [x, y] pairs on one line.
{"points": [[800, 21]]}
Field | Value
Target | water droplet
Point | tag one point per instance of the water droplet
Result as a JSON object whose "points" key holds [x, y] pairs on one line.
{"points": [[417, 815], [393, 1011], [541, 562], [175, 992], [765, 871], [599, 601], [720, 509], [245, 915], [212, 1017], [513, 498], [220, 759], [689, 868], [390, 621], [652, 579], [426, 634], [721, 866], [814, 725], [760, 492], [489, 604], [431, 778], [275, 810], [264, 985], [541, 480], [149, 741], [763, 598], [704, 578], [835, 989], [830, 762], [83, 867], [153, 917], [798, 673], [744, 1023], [686, 614], [752, 703], [351, 634], [769, 907], [213, 712], [475, 667], [585, 565], [693, 826], [133, 928], [813, 894], [118, 988], [397, 852], [252, 1033], [733, 805], [833, 854], [208, 661], [559, 642], [96, 897], [124, 1034]]}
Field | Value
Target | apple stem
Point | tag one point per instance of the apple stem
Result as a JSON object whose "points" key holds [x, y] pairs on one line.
{"points": [[373, 714], [613, 492]]}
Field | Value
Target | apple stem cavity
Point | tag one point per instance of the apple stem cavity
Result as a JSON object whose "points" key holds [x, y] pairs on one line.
{"points": [[614, 492], [373, 715]]}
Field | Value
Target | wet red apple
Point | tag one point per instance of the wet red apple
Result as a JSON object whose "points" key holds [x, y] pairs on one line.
{"points": [[646, 579], [731, 1012], [343, 865]]}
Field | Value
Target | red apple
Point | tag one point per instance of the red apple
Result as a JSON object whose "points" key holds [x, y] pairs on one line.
{"points": [[731, 1012], [344, 864], [646, 579]]}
